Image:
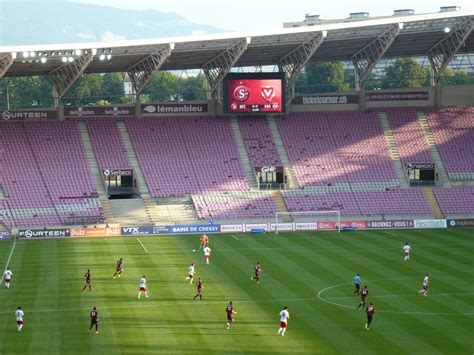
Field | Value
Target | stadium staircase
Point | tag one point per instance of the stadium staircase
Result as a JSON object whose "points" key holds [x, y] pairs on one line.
{"points": [[130, 212], [394, 153], [440, 169], [280, 202], [290, 173], [96, 174], [433, 202], [177, 210], [150, 205], [244, 158]]}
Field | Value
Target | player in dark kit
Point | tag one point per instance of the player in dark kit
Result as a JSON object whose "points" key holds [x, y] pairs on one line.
{"points": [[370, 310], [363, 295], [119, 268], [257, 270], [94, 320], [199, 288], [230, 314], [87, 276]]}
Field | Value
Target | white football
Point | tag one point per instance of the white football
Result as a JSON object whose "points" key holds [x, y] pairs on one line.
{"points": [[194, 250]]}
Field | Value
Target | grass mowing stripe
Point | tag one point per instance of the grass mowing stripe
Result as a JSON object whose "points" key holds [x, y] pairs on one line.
{"points": [[295, 265]]}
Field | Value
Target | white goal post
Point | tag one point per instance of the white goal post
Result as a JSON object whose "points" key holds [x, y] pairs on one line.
{"points": [[313, 216]]}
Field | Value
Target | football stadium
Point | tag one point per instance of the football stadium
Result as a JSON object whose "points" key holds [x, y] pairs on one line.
{"points": [[268, 211]]}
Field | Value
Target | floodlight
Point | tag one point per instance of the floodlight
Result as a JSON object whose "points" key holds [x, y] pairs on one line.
{"points": [[64, 59], [43, 60], [102, 57], [447, 30], [109, 56], [26, 54], [70, 59], [94, 51], [78, 52], [32, 54]]}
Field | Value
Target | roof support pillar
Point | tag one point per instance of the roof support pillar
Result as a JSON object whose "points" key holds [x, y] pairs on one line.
{"points": [[292, 63], [141, 72], [6, 61], [367, 57], [218, 67], [64, 76], [442, 52]]}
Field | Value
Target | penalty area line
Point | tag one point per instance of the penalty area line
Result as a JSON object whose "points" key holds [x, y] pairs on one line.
{"points": [[146, 250], [8, 261]]}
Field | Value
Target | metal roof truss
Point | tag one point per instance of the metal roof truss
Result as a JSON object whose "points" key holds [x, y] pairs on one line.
{"points": [[292, 63], [141, 72], [442, 52], [366, 58], [64, 76], [217, 68]]}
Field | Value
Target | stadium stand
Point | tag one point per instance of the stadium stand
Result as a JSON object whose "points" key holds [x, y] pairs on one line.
{"points": [[453, 132], [107, 143], [455, 201], [196, 155], [408, 135], [401, 202], [259, 142], [235, 205], [337, 148], [46, 180], [341, 160]]}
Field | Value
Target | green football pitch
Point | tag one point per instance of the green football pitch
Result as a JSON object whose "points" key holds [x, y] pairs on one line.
{"points": [[311, 273]]}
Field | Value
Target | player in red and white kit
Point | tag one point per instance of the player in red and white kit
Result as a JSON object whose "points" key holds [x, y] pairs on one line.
{"points": [[19, 318], [87, 277], [230, 314], [258, 270], [207, 254], [426, 285], [142, 287], [7, 276], [370, 310], [94, 320], [191, 270], [284, 316], [407, 249]]}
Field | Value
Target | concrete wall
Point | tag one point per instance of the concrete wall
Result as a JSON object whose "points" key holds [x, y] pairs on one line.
{"points": [[456, 95]]}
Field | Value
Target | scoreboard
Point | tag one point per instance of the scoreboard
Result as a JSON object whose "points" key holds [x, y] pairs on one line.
{"points": [[254, 93]]}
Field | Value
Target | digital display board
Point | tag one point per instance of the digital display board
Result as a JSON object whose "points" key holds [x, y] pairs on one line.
{"points": [[254, 93]]}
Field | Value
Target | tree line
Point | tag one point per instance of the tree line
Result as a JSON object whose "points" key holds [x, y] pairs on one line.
{"points": [[319, 77]]}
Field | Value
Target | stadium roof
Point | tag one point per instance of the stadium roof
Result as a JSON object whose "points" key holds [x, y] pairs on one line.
{"points": [[418, 34]]}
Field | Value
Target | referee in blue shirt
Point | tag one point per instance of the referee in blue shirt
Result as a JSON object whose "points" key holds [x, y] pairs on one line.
{"points": [[357, 282]]}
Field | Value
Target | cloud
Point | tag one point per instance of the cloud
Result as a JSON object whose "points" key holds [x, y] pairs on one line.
{"points": [[86, 35], [109, 36]]}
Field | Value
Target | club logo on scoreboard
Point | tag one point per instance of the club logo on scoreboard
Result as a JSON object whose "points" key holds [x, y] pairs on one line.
{"points": [[268, 93], [241, 93]]}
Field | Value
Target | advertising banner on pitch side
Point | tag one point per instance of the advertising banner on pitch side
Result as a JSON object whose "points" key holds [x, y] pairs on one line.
{"points": [[5, 235], [43, 233]]}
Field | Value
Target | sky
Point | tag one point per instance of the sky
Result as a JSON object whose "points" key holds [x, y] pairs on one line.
{"points": [[254, 15]]}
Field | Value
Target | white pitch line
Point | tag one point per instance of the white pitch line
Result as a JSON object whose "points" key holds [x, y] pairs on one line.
{"points": [[8, 261], [146, 250], [407, 295], [384, 311], [391, 233], [233, 236]]}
